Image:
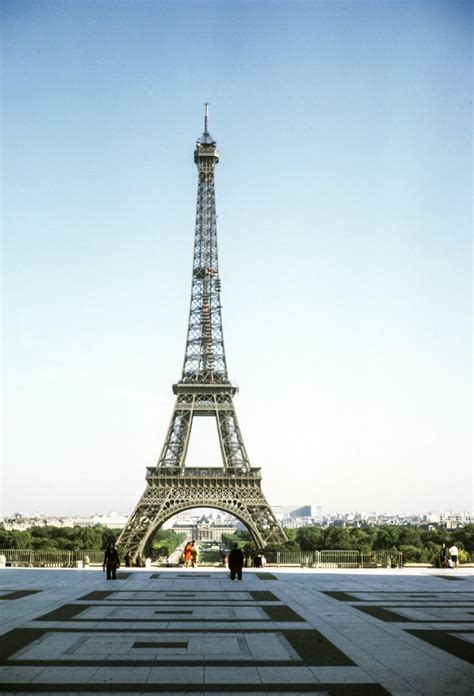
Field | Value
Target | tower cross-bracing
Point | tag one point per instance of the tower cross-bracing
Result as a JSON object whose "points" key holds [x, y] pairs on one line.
{"points": [[203, 390]]}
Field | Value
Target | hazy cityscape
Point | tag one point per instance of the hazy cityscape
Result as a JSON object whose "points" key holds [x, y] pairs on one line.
{"points": [[210, 524]]}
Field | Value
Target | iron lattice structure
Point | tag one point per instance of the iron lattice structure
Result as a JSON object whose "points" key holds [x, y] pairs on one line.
{"points": [[204, 390]]}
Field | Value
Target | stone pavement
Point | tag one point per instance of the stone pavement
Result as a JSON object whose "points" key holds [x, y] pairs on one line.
{"points": [[278, 631]]}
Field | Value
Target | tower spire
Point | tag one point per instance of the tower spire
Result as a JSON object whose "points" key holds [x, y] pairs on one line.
{"points": [[206, 138]]}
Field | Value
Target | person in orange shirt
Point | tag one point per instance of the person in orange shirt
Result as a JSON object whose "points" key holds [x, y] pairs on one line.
{"points": [[188, 554]]}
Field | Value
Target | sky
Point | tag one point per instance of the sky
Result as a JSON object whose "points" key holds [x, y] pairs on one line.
{"points": [[344, 200]]}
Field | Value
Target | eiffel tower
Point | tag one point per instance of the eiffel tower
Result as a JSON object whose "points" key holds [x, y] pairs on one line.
{"points": [[204, 390]]}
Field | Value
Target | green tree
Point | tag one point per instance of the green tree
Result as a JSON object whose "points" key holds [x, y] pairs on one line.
{"points": [[336, 538], [309, 538], [14, 539], [387, 539], [361, 540], [410, 536], [165, 542]]}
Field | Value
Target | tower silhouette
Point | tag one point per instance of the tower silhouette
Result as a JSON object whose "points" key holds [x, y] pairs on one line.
{"points": [[203, 390]]}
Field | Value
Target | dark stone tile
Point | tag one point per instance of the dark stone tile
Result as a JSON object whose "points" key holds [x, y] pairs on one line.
{"points": [[266, 576], [18, 594], [97, 595], [17, 639], [155, 644], [341, 596], [447, 642], [264, 596], [383, 614], [448, 577], [64, 613], [192, 576], [331, 689], [281, 613], [172, 611], [316, 650]]}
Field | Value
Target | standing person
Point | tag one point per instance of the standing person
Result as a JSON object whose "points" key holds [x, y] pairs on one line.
{"points": [[194, 554], [127, 560], [111, 561], [454, 553], [188, 554], [443, 556], [236, 562]]}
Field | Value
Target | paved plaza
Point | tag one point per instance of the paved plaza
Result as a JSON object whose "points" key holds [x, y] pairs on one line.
{"points": [[278, 631]]}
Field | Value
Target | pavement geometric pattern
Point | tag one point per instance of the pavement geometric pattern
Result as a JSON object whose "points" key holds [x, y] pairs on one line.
{"points": [[302, 631]]}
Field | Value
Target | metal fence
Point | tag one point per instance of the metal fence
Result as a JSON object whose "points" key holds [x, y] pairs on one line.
{"points": [[335, 559], [34, 558], [40, 558]]}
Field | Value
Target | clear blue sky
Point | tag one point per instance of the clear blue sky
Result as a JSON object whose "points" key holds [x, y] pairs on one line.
{"points": [[344, 199]]}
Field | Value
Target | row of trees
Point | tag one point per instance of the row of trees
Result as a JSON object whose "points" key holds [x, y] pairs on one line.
{"points": [[95, 538], [58, 538], [417, 544], [165, 542]]}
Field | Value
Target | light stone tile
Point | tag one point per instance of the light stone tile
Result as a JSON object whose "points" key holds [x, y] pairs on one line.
{"points": [[64, 675], [287, 675], [213, 645], [270, 646], [231, 675], [19, 674], [176, 675], [341, 675], [120, 675]]}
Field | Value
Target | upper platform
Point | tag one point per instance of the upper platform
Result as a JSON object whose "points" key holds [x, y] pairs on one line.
{"points": [[204, 388]]}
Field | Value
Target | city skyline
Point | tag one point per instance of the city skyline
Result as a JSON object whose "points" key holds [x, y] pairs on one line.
{"points": [[344, 202]]}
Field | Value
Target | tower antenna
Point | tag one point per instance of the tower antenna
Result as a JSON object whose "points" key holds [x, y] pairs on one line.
{"points": [[206, 116]]}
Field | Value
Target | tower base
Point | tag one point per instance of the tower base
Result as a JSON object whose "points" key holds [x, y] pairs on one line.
{"points": [[174, 490]]}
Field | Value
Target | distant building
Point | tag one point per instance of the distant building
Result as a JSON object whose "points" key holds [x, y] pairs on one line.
{"points": [[23, 521], [285, 513], [205, 528]]}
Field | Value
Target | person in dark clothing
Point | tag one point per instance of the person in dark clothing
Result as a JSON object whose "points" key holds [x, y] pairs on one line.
{"points": [[127, 560], [111, 561], [236, 562], [443, 556]]}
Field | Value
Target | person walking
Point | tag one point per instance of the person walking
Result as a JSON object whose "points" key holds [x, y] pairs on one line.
{"points": [[111, 561], [454, 553], [188, 554], [194, 554], [236, 562]]}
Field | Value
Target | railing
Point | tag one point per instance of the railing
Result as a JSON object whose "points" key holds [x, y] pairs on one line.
{"points": [[34, 558], [335, 559], [93, 556], [38, 558]]}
